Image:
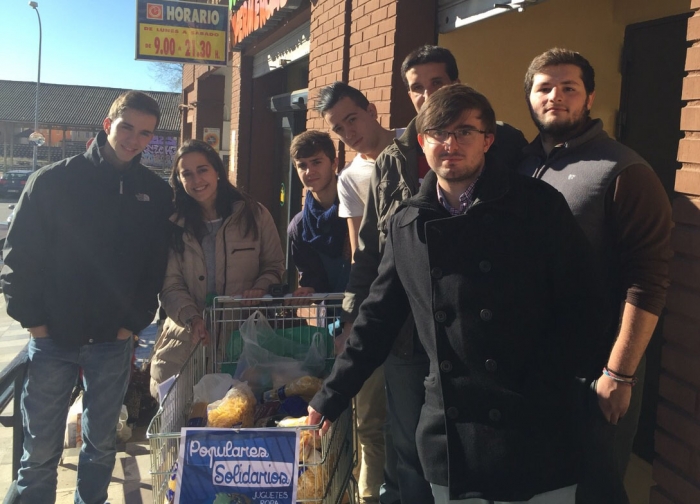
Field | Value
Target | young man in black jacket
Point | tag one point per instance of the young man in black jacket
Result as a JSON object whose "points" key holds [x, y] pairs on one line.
{"points": [[84, 261], [499, 279]]}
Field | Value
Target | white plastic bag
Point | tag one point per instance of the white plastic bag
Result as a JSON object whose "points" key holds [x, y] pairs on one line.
{"points": [[268, 360], [212, 387], [73, 437]]}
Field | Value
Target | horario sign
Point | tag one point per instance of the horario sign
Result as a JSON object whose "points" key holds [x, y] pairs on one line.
{"points": [[250, 17]]}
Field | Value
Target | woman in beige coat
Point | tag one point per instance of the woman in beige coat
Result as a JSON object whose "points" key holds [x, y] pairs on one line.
{"points": [[224, 244]]}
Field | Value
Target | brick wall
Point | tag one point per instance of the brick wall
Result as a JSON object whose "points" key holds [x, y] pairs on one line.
{"points": [[241, 92], [363, 43], [676, 467]]}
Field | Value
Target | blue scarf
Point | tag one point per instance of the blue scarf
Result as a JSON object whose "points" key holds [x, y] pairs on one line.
{"points": [[323, 229]]}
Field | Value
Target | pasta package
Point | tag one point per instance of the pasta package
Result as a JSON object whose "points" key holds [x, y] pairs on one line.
{"points": [[305, 387], [236, 409]]}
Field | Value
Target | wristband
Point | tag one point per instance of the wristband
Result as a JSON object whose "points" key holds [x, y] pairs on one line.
{"points": [[631, 381]]}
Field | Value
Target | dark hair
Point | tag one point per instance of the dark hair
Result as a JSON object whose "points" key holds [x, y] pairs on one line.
{"points": [[558, 56], [430, 54], [226, 195], [329, 96], [448, 103], [311, 142], [134, 100]]}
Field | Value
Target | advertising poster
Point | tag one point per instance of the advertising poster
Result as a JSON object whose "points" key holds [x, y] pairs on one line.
{"points": [[213, 137], [250, 466], [182, 32]]}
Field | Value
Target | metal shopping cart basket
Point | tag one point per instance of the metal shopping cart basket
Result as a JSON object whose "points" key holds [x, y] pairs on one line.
{"points": [[330, 474]]}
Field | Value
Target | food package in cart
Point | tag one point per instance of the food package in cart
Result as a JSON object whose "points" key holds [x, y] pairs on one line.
{"points": [[314, 472], [236, 409], [305, 387]]}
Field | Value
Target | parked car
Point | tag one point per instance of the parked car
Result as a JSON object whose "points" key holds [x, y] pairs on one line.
{"points": [[12, 182]]}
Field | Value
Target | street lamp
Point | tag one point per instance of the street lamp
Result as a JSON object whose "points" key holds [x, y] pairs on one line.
{"points": [[37, 138]]}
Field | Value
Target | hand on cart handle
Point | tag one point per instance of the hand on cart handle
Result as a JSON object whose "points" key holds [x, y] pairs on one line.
{"points": [[296, 298], [316, 418], [252, 293], [199, 331]]}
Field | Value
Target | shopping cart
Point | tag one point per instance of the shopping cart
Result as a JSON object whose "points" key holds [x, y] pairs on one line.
{"points": [[330, 473]]}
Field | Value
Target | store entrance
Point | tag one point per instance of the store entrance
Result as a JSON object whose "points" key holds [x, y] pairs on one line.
{"points": [[652, 81], [290, 120]]}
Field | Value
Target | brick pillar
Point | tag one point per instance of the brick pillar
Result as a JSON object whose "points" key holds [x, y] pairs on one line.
{"points": [[209, 112], [241, 110], [676, 467]]}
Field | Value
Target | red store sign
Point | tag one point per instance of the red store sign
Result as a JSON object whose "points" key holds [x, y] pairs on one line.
{"points": [[250, 16]]}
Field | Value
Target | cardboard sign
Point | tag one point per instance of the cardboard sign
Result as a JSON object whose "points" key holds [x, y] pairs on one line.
{"points": [[249, 466]]}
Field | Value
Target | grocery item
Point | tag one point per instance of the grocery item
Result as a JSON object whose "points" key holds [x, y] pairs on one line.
{"points": [[236, 409], [198, 415], [292, 422], [305, 387]]}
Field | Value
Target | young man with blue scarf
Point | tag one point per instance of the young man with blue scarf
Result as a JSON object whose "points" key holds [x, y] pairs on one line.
{"points": [[318, 237]]}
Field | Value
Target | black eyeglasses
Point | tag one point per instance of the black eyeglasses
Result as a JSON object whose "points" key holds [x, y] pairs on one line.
{"points": [[462, 135]]}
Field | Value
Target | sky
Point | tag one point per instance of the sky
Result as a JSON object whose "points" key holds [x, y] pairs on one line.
{"points": [[84, 42]]}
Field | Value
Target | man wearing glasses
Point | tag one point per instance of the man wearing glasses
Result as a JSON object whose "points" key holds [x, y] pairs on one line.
{"points": [[397, 175], [485, 260]]}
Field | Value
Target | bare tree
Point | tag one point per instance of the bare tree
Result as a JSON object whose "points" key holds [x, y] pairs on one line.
{"points": [[169, 74]]}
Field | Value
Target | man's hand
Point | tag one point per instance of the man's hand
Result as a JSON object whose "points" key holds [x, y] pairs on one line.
{"points": [[124, 334], [301, 292], [199, 331], [613, 398], [341, 340], [41, 331], [315, 417], [252, 293]]}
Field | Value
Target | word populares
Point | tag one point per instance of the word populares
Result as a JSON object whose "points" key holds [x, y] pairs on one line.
{"points": [[227, 450]]}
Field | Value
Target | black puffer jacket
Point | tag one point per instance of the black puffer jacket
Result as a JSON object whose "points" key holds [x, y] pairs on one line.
{"points": [[87, 249]]}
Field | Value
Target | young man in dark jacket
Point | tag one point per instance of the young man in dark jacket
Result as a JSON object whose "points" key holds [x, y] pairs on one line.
{"points": [[485, 260], [84, 261], [397, 175]]}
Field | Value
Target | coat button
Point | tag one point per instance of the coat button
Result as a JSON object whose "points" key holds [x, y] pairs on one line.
{"points": [[486, 315], [495, 415], [446, 366], [91, 340], [485, 266], [436, 273], [201, 277], [440, 316], [491, 365], [452, 413]]}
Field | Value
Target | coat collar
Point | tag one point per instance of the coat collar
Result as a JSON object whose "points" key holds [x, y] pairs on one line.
{"points": [[593, 130], [237, 209], [94, 155], [493, 185]]}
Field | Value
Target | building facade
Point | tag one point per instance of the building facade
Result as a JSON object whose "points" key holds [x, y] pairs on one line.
{"points": [[285, 51]]}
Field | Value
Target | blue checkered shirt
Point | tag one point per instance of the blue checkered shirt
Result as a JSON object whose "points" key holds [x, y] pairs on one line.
{"points": [[465, 200]]}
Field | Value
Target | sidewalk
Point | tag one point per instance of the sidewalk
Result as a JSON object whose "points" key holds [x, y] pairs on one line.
{"points": [[131, 481]]}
